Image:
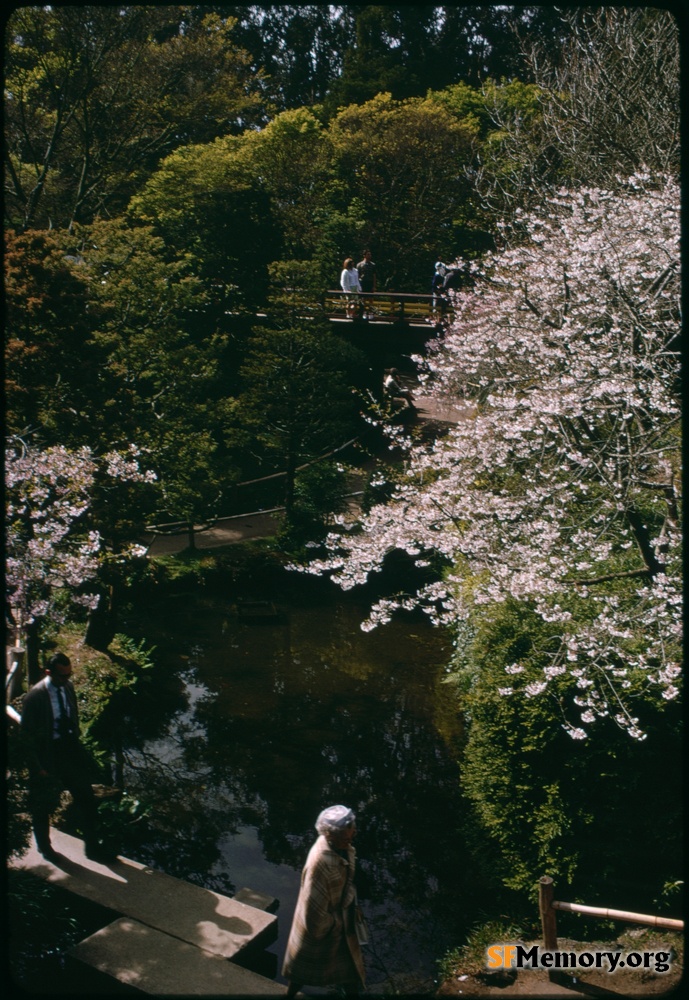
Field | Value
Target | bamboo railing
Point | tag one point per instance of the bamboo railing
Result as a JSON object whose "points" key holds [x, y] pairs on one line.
{"points": [[548, 907]]}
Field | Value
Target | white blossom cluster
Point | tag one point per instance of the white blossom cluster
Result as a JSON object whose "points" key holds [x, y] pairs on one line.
{"points": [[126, 466], [562, 488], [49, 545]]}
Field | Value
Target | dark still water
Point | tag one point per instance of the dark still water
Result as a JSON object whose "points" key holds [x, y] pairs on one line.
{"points": [[261, 723]]}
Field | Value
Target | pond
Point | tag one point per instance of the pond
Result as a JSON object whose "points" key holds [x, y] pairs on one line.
{"points": [[263, 720]]}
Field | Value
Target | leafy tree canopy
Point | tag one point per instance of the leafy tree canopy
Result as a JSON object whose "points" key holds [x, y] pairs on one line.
{"points": [[292, 159], [558, 806], [96, 95], [403, 161], [211, 208], [50, 367]]}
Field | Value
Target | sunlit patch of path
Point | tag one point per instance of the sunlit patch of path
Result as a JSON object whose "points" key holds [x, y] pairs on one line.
{"points": [[264, 523]]}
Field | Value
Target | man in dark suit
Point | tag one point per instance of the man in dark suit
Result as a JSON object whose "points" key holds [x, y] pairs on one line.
{"points": [[56, 758], [368, 281]]}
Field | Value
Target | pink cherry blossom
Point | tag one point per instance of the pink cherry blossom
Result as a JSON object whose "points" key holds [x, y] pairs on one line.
{"points": [[51, 546], [561, 488]]}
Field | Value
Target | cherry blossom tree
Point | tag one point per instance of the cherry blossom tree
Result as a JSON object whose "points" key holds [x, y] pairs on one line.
{"points": [[54, 549], [560, 490]]}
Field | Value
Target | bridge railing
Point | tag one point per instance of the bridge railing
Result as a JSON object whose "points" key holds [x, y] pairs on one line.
{"points": [[387, 307]]}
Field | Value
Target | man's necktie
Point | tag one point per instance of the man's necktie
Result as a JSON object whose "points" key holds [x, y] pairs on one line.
{"points": [[63, 722]]}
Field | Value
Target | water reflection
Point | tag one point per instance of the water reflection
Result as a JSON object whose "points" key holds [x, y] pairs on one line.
{"points": [[274, 720]]}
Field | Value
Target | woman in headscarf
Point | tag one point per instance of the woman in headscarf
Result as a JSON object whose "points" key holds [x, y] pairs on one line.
{"points": [[323, 947]]}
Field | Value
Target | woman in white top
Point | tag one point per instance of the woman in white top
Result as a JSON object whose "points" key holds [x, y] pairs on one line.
{"points": [[349, 282]]}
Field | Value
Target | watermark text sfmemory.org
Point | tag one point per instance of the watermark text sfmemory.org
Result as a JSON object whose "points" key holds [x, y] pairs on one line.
{"points": [[518, 956]]}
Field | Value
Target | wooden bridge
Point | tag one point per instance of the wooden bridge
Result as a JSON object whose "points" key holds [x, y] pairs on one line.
{"points": [[407, 309]]}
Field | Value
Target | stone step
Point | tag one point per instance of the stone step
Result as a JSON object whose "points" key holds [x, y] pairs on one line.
{"points": [[258, 899], [146, 960], [215, 923]]}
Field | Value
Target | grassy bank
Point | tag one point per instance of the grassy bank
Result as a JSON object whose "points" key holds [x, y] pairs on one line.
{"points": [[465, 972]]}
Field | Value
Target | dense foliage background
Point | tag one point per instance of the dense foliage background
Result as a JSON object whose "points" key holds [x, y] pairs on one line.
{"points": [[173, 171]]}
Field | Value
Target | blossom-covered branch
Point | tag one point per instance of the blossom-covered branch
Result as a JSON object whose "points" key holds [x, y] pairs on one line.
{"points": [[566, 476], [52, 547]]}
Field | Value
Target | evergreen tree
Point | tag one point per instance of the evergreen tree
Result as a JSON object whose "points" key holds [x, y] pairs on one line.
{"points": [[297, 399]]}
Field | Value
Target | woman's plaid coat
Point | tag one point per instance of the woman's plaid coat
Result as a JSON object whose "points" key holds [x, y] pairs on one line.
{"points": [[323, 948]]}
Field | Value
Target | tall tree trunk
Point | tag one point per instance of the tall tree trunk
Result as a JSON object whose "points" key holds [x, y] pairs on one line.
{"points": [[119, 763], [102, 623], [33, 665], [291, 459]]}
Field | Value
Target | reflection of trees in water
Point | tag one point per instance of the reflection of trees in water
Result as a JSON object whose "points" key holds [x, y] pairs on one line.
{"points": [[288, 717], [380, 758], [161, 750], [383, 760], [187, 816], [149, 738]]}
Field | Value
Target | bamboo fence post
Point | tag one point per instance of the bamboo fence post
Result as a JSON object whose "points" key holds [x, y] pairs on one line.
{"points": [[548, 915]]}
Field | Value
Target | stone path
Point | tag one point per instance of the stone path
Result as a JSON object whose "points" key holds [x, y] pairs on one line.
{"points": [[143, 958], [170, 937]]}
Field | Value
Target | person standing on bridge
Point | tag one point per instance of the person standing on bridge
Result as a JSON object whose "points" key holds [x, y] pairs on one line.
{"points": [[367, 279], [349, 283], [57, 759], [323, 947], [438, 289]]}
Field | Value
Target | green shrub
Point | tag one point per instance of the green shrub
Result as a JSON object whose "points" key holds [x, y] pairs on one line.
{"points": [[586, 812]]}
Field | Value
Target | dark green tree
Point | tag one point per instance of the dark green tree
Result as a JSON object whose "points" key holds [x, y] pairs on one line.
{"points": [[562, 807], [299, 47], [483, 42], [194, 481], [403, 163], [410, 49], [292, 157], [145, 305], [51, 365], [297, 399], [391, 51], [320, 492], [159, 386], [211, 207]]}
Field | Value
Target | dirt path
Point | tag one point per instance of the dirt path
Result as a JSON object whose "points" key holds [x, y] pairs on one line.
{"points": [[440, 411], [539, 983], [226, 531], [264, 523], [623, 982]]}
